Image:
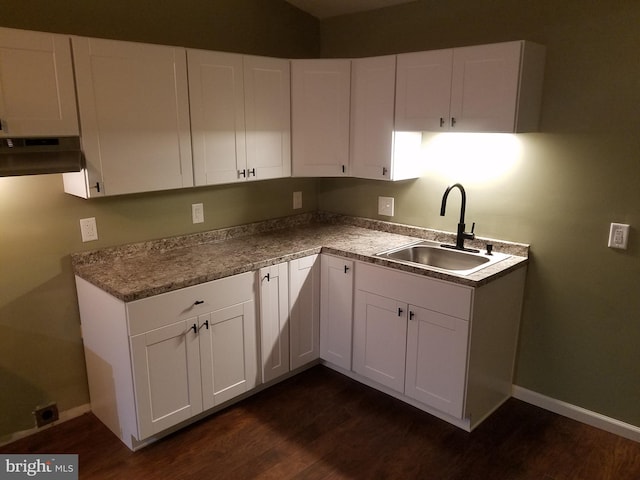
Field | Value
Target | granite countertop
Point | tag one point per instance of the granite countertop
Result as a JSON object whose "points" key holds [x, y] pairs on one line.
{"points": [[137, 271]]}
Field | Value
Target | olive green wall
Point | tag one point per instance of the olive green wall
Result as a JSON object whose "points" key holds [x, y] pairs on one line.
{"points": [[41, 358], [580, 335]]}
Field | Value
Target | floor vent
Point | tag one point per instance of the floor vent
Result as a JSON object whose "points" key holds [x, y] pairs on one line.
{"points": [[46, 415]]}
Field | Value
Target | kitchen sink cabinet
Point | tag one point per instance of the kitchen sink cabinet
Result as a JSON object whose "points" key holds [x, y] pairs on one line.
{"points": [[336, 310], [446, 348], [157, 362], [484, 88], [320, 96], [289, 315], [378, 150], [37, 90], [240, 120], [134, 116]]}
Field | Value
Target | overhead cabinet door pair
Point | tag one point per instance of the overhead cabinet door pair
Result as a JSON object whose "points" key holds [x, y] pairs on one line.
{"points": [[484, 88], [240, 117], [135, 101]]}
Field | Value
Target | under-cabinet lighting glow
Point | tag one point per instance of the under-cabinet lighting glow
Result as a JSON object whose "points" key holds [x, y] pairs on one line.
{"points": [[471, 157]]}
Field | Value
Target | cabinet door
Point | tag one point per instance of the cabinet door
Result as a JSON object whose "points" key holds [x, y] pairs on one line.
{"points": [[216, 99], [267, 86], [320, 95], [423, 91], [274, 320], [166, 376], [304, 319], [484, 89], [37, 94], [372, 106], [437, 360], [228, 353], [336, 310], [380, 339], [134, 114]]}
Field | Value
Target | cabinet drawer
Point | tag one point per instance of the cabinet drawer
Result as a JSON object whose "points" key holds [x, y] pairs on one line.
{"points": [[160, 310], [436, 295]]}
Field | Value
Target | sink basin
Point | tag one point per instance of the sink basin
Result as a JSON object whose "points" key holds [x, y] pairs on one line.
{"points": [[433, 255]]}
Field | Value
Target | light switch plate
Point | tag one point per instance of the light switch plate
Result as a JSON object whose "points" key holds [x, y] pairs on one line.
{"points": [[618, 236], [297, 200], [386, 206], [88, 229]]}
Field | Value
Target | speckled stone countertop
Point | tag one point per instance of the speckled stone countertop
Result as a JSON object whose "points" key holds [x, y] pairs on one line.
{"points": [[136, 271]]}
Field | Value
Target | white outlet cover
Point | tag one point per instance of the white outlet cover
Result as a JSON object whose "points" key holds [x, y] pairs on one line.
{"points": [[197, 213], [88, 229], [386, 206], [618, 236]]}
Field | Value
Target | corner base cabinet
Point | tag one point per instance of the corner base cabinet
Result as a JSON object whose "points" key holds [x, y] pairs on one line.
{"points": [[160, 361], [446, 348]]}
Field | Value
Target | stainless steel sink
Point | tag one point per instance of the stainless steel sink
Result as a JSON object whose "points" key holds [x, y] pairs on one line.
{"points": [[434, 255]]}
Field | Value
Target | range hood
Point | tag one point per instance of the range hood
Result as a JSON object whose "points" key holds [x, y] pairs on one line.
{"points": [[35, 156]]}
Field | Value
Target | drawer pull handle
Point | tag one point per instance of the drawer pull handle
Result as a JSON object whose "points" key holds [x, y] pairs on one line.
{"points": [[400, 312], [268, 277], [411, 315], [205, 324], [195, 328], [198, 302], [346, 269]]}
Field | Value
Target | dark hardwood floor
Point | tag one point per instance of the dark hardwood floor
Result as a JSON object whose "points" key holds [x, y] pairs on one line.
{"points": [[321, 425]]}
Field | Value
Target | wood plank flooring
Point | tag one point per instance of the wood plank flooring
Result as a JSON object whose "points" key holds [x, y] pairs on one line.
{"points": [[321, 425]]}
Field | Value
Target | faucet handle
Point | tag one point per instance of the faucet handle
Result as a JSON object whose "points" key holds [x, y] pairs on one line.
{"points": [[473, 227]]}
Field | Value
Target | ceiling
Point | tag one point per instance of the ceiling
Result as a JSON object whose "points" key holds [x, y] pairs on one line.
{"points": [[331, 8]]}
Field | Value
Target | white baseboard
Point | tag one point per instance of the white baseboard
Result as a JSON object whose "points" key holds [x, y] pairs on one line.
{"points": [[580, 414], [62, 417]]}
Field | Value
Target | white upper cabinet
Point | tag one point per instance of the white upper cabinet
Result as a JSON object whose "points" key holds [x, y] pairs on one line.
{"points": [[134, 116], [240, 117], [484, 88], [378, 150], [320, 96], [216, 97], [37, 96], [267, 90], [423, 90]]}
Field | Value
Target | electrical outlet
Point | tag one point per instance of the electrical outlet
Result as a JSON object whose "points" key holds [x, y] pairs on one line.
{"points": [[88, 229], [386, 206], [297, 200], [618, 236], [197, 213]]}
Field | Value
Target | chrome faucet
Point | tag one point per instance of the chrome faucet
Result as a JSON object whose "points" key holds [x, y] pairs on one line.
{"points": [[461, 234]]}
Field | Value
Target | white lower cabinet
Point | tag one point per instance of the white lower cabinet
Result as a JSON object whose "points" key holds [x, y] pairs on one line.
{"points": [[336, 310], [289, 315], [304, 310], [444, 347], [156, 362]]}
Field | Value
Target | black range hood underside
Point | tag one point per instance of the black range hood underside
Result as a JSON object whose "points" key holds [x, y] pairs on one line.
{"points": [[37, 156]]}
